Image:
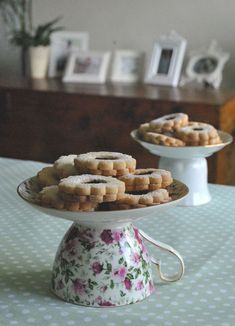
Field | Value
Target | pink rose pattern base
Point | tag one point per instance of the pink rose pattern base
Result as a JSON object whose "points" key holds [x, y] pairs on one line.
{"points": [[102, 267]]}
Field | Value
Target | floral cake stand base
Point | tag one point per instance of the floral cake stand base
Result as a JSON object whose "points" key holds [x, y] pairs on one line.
{"points": [[102, 260], [187, 164]]}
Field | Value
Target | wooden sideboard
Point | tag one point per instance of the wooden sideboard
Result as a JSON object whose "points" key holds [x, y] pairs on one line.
{"points": [[43, 119]]}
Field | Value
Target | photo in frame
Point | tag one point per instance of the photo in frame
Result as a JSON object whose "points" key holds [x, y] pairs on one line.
{"points": [[62, 43], [127, 66], [205, 66], [166, 60], [87, 67]]}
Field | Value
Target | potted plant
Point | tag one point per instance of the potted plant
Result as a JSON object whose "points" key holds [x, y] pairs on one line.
{"points": [[17, 15], [39, 48]]}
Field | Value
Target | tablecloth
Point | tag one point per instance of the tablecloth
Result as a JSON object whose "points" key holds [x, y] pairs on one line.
{"points": [[204, 236]]}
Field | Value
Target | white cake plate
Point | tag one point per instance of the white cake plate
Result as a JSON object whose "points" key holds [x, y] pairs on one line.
{"points": [[102, 260], [187, 164]]}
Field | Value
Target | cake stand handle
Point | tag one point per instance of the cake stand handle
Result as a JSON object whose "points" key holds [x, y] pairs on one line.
{"points": [[170, 250]]}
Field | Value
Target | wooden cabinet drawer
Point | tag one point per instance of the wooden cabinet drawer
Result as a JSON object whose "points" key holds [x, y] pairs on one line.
{"points": [[42, 125]]}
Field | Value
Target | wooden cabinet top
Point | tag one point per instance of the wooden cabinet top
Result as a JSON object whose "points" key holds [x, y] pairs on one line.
{"points": [[136, 91]]}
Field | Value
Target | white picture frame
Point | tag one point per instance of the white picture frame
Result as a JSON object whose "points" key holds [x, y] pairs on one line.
{"points": [[166, 60], [62, 43], [87, 67], [206, 66], [127, 66]]}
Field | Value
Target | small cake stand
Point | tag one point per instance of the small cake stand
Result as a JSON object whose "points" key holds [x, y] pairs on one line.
{"points": [[102, 260], [187, 164]]}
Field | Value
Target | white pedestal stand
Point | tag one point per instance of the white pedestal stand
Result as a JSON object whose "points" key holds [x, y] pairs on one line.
{"points": [[193, 172], [187, 164]]}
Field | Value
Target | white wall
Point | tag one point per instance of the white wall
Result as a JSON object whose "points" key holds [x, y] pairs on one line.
{"points": [[136, 24]]}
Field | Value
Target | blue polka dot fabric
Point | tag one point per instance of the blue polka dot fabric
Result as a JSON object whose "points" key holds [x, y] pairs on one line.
{"points": [[203, 235]]}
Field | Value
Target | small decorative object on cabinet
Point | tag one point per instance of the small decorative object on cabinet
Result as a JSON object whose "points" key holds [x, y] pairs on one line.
{"points": [[127, 66], [40, 47], [62, 43], [87, 67], [206, 66], [39, 57], [166, 61]]}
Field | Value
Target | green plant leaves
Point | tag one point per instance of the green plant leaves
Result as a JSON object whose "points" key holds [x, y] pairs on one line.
{"points": [[17, 15], [43, 32]]}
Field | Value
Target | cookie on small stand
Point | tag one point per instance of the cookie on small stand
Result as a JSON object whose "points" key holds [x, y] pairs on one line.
{"points": [[169, 122], [105, 163], [141, 199], [64, 166], [51, 197], [147, 179], [47, 176], [87, 188], [198, 134], [160, 139]]}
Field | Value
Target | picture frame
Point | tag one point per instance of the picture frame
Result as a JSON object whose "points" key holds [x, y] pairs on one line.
{"points": [[206, 66], [166, 60], [127, 66], [62, 43], [87, 67]]}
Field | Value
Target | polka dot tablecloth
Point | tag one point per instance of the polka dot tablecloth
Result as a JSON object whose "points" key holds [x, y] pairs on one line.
{"points": [[204, 236]]}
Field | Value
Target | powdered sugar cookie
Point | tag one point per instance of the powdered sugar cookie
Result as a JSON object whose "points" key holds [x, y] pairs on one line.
{"points": [[64, 166], [160, 139], [141, 199], [143, 128], [47, 176], [147, 179], [49, 196], [198, 134], [169, 122], [111, 173], [105, 163], [93, 188], [80, 207]]}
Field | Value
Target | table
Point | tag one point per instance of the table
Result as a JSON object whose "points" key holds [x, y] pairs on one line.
{"points": [[204, 235]]}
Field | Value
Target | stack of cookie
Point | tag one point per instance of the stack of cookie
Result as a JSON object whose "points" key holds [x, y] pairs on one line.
{"points": [[101, 181], [176, 130]]}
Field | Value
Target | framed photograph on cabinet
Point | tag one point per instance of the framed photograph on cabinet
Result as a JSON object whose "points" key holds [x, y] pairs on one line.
{"points": [[127, 66], [206, 66], [166, 60], [62, 43], [87, 67]]}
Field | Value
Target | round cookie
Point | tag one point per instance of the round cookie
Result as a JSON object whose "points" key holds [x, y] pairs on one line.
{"points": [[198, 134], [47, 177], [143, 128], [147, 179], [169, 122], [64, 166], [141, 199], [105, 163], [50, 197], [160, 139], [93, 188]]}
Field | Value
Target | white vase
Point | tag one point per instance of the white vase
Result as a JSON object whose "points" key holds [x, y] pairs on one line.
{"points": [[39, 57]]}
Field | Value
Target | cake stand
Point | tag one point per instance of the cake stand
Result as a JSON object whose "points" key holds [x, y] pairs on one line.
{"points": [[102, 260], [187, 164]]}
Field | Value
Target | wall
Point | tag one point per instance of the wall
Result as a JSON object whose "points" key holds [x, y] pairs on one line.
{"points": [[136, 24]]}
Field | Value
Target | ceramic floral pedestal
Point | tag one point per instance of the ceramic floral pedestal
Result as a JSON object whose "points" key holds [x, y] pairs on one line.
{"points": [[102, 260], [102, 267]]}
